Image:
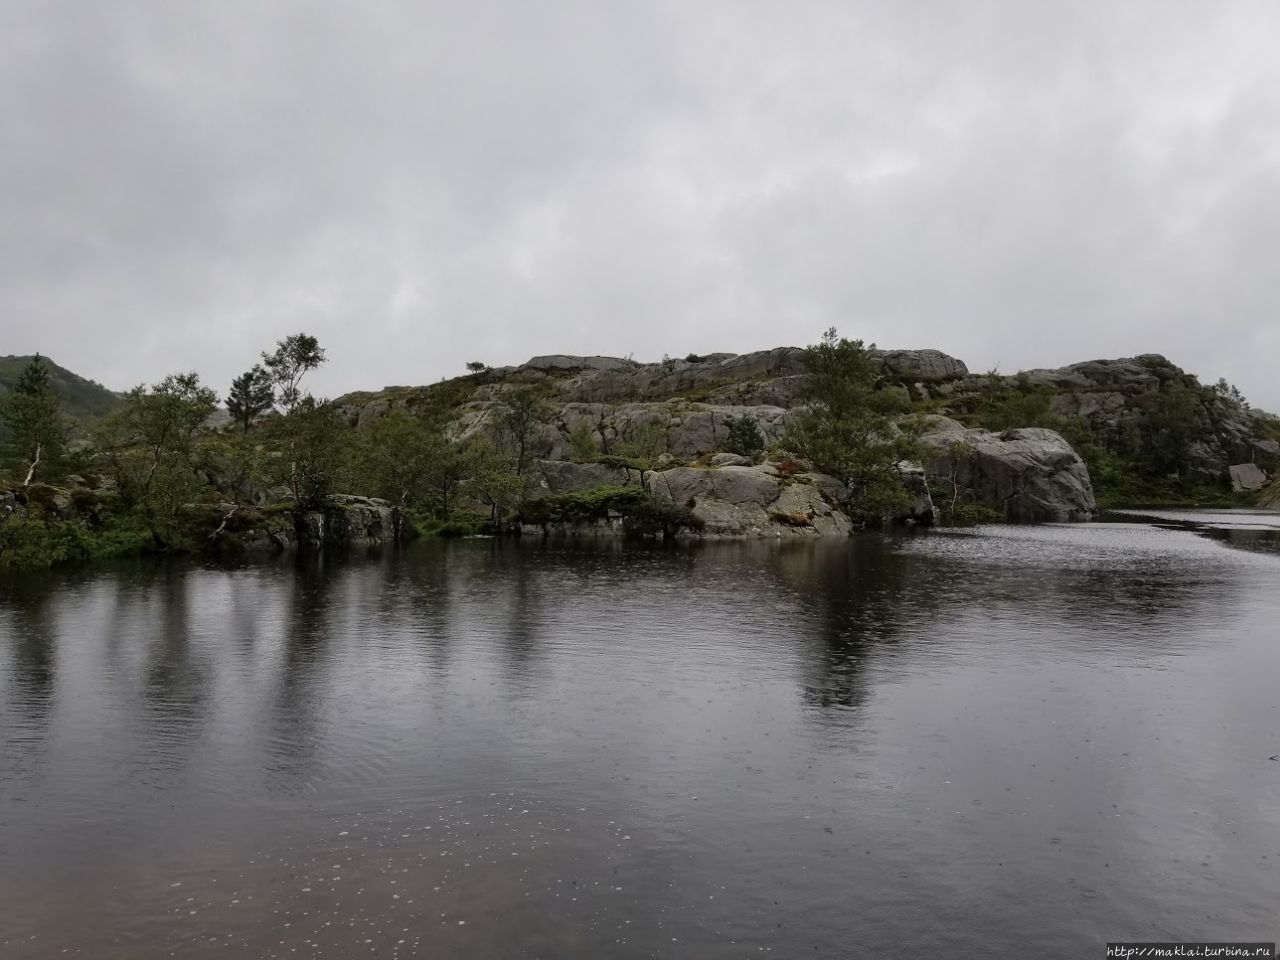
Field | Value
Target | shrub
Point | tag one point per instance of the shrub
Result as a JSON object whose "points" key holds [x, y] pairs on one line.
{"points": [[968, 515], [583, 445], [745, 438], [639, 510]]}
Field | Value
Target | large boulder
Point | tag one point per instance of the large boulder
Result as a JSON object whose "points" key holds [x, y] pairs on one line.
{"points": [[358, 521], [921, 366], [1247, 477], [1030, 475], [754, 501]]}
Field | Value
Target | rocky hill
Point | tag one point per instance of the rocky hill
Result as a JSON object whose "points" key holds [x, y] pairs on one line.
{"points": [[1004, 443]]}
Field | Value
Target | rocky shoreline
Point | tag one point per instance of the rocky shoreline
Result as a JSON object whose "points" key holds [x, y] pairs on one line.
{"points": [[693, 488]]}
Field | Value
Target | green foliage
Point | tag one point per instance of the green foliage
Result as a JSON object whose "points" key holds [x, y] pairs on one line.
{"points": [[584, 444], [477, 366], [639, 510], [395, 457], [314, 440], [252, 394], [643, 446], [491, 479], [30, 542], [238, 465], [294, 357], [32, 415], [745, 438], [1231, 393], [1011, 409], [848, 428], [523, 410], [966, 515], [151, 448], [459, 524]]}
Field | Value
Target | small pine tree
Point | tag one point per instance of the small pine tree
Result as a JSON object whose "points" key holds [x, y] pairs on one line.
{"points": [[745, 438], [33, 414], [252, 394]]}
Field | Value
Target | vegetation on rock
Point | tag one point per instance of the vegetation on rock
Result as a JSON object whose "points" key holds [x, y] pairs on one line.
{"points": [[850, 429]]}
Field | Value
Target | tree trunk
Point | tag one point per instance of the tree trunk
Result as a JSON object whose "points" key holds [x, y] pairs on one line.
{"points": [[34, 463]]}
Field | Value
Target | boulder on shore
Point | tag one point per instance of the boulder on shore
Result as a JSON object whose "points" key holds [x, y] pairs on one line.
{"points": [[749, 501], [1030, 475]]}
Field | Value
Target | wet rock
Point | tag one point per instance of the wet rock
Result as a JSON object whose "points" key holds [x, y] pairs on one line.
{"points": [[1247, 477], [563, 476], [1030, 475], [753, 501]]}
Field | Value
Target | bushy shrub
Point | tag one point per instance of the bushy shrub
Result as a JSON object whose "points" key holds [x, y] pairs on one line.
{"points": [[639, 510], [968, 515], [745, 438], [583, 444]]}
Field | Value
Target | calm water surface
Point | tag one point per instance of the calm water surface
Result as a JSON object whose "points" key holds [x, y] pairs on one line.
{"points": [[964, 743]]}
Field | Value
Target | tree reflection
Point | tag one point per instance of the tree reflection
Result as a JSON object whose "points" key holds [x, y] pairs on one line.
{"points": [[856, 595], [28, 626]]}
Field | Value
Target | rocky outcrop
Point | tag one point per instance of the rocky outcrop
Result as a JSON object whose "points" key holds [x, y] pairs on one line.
{"points": [[563, 476], [1109, 396], [757, 502], [1029, 475], [685, 406], [344, 522]]}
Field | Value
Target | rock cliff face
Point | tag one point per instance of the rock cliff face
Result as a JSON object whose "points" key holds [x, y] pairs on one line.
{"points": [[1028, 473]]}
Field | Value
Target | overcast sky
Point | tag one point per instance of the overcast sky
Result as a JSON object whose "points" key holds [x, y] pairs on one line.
{"points": [[420, 184]]}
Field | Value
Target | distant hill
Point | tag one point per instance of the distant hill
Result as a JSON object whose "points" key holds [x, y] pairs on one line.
{"points": [[82, 399]]}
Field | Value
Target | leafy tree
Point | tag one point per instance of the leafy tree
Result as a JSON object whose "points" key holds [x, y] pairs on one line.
{"points": [[252, 394], [293, 359], [1167, 425], [313, 435], [848, 428], [745, 438], [445, 483], [477, 366], [31, 410], [152, 447], [583, 445], [522, 414], [491, 480], [396, 457]]}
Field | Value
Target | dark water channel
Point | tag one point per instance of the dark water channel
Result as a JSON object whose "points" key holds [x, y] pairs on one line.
{"points": [[953, 744]]}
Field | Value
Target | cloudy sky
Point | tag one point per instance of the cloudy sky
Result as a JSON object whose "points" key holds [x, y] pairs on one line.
{"points": [[422, 183]]}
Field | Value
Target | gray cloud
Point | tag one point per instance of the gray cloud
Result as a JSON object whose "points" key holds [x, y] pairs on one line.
{"points": [[422, 184]]}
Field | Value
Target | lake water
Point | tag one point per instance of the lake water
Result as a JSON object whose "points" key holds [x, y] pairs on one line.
{"points": [[1010, 741]]}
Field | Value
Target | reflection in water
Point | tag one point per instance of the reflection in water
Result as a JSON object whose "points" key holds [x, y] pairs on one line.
{"points": [[976, 739], [28, 628]]}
